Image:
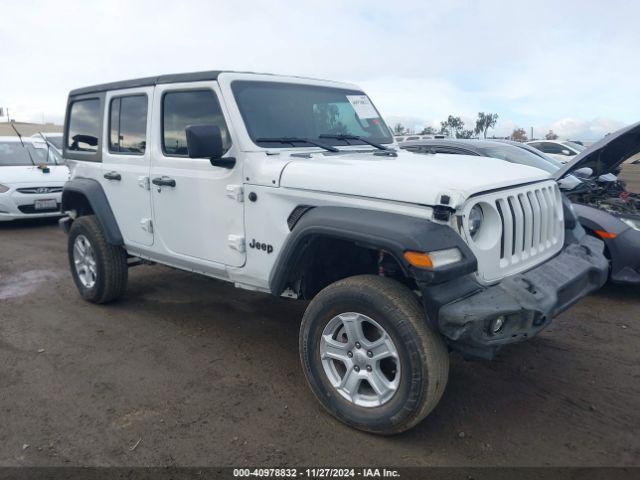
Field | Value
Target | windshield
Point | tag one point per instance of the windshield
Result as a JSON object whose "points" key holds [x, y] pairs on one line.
{"points": [[55, 141], [284, 110], [13, 154], [519, 155], [576, 146], [42, 153]]}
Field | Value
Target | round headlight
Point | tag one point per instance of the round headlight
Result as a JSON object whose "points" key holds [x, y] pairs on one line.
{"points": [[475, 220]]}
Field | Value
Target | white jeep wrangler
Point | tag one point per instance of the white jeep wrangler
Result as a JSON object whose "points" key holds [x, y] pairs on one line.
{"points": [[291, 186]]}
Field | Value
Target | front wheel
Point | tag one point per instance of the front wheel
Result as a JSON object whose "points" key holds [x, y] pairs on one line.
{"points": [[369, 356]]}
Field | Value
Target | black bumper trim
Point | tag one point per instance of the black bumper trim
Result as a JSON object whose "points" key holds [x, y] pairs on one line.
{"points": [[527, 301]]}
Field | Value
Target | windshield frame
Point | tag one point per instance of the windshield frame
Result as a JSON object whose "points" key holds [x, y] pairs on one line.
{"points": [[346, 90]]}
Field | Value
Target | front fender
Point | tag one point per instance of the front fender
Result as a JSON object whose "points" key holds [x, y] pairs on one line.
{"points": [[391, 232]]}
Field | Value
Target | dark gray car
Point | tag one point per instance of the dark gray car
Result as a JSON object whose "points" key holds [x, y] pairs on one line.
{"points": [[605, 206]]}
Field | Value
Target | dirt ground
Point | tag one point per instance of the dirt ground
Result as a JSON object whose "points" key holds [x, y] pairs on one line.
{"points": [[187, 370]]}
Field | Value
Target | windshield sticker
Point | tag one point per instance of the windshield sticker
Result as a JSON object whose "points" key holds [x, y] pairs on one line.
{"points": [[363, 106]]}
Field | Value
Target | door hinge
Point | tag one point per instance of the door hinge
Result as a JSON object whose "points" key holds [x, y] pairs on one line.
{"points": [[147, 225], [235, 192], [143, 182], [236, 242]]}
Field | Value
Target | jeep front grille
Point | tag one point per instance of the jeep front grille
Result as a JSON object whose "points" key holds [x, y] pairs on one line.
{"points": [[522, 227]]}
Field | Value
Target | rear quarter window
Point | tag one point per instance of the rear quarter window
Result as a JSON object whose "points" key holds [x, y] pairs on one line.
{"points": [[83, 132], [84, 126]]}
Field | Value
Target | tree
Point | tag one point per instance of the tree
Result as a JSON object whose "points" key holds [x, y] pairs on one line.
{"points": [[452, 126], [465, 134], [428, 130], [484, 122], [519, 135], [551, 135], [399, 129]]}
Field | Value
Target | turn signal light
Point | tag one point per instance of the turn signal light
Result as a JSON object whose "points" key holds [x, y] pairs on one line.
{"points": [[439, 258], [606, 235], [418, 259]]}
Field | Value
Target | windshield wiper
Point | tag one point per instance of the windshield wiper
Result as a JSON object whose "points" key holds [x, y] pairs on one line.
{"points": [[22, 143], [346, 138], [48, 148], [293, 140]]}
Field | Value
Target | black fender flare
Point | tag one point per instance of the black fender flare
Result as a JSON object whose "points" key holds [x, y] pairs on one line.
{"points": [[93, 192], [595, 219], [391, 232]]}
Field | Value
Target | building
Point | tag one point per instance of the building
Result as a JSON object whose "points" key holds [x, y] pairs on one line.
{"points": [[27, 129]]}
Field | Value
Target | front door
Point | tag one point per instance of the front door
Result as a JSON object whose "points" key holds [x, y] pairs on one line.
{"points": [[126, 162], [197, 216]]}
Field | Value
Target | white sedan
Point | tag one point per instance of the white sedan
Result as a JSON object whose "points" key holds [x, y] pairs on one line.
{"points": [[31, 179], [561, 150], [54, 138]]}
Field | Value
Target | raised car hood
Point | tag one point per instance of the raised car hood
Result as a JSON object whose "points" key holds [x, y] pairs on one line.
{"points": [[607, 154], [32, 174], [409, 177]]}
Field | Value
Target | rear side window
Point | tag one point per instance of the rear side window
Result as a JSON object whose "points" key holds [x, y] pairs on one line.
{"points": [[84, 125], [128, 125], [183, 108]]}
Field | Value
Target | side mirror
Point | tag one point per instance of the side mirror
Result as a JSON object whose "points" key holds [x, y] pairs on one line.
{"points": [[607, 178], [584, 172], [569, 182], [568, 153], [205, 141]]}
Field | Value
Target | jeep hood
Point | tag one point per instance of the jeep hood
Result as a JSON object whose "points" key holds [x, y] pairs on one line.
{"points": [[607, 154], [409, 177]]}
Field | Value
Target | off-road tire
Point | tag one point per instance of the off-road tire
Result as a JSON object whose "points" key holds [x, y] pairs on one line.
{"points": [[423, 354], [111, 262]]}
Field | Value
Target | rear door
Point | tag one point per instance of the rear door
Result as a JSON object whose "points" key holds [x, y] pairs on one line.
{"points": [[126, 162]]}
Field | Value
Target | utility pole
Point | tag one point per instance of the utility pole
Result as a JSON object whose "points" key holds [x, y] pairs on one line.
{"points": [[531, 137]]}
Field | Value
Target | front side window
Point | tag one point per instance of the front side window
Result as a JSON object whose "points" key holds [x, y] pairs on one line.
{"points": [[84, 125], [274, 111], [128, 125], [193, 107]]}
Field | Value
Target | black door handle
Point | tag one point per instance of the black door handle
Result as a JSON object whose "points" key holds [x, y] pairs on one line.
{"points": [[113, 176], [164, 182]]}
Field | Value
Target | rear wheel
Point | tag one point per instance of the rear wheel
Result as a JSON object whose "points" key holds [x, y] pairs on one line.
{"points": [[369, 356], [99, 269]]}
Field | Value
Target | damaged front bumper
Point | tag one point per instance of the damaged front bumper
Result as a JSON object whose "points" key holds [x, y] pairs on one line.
{"points": [[468, 314]]}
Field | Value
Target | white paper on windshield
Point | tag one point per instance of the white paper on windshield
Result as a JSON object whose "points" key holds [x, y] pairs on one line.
{"points": [[363, 106]]}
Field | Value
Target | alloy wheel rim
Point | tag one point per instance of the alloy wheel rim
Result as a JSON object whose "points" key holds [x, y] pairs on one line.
{"points": [[84, 261], [360, 359]]}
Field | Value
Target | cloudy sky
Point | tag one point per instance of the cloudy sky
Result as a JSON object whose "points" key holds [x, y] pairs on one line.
{"points": [[572, 66]]}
